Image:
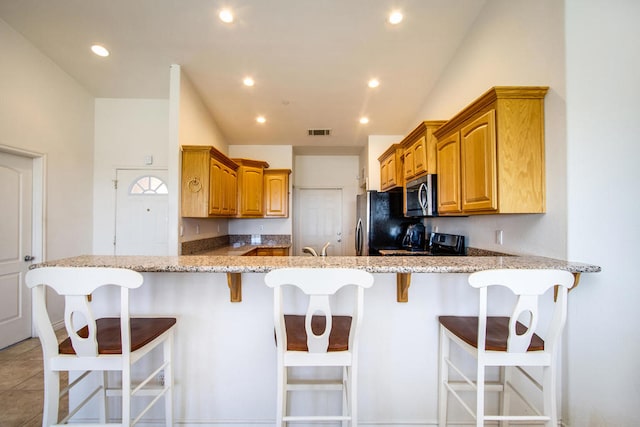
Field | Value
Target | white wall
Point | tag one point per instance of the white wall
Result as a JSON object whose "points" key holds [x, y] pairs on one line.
{"points": [[126, 130], [190, 123], [278, 157], [43, 110], [513, 42], [603, 65]]}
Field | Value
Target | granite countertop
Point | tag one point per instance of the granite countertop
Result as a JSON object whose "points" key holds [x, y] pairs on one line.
{"points": [[261, 264]]}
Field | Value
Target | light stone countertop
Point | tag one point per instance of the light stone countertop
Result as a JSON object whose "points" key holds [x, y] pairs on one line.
{"points": [[261, 264]]}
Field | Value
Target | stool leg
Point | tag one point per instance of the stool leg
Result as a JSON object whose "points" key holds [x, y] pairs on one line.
{"points": [[480, 395], [353, 395], [51, 397], [549, 395], [126, 393], [168, 380], [443, 378], [104, 405], [505, 374], [281, 396]]}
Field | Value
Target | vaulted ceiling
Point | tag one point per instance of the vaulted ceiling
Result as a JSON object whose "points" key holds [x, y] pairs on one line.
{"points": [[310, 59]]}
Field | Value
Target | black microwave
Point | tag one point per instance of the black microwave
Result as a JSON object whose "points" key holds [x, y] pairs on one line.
{"points": [[421, 198]]}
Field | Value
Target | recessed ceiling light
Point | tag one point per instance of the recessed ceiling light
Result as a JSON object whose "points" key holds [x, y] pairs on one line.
{"points": [[261, 119], [99, 50], [374, 83], [395, 17], [248, 81], [226, 16], [364, 120]]}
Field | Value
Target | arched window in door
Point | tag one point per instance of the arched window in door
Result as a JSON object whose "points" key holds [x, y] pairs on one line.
{"points": [[148, 185]]}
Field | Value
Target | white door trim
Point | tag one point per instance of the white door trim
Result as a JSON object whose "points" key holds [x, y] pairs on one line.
{"points": [[38, 223]]}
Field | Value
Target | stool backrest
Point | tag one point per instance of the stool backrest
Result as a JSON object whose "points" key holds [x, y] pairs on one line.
{"points": [[319, 284], [75, 284], [529, 285]]}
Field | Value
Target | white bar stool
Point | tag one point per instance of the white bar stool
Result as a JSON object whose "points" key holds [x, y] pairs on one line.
{"points": [[99, 345], [318, 337], [507, 343]]}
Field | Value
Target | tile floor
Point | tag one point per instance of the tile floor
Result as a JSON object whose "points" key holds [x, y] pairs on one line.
{"points": [[22, 384]]}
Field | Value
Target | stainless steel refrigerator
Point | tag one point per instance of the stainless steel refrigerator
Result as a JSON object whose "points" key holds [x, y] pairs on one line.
{"points": [[380, 223]]}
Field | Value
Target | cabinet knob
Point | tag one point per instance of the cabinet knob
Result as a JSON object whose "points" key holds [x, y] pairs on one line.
{"points": [[28, 258]]}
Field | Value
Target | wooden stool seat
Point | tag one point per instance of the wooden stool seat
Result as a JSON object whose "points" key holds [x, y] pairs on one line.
{"points": [[297, 335], [143, 331], [466, 328]]}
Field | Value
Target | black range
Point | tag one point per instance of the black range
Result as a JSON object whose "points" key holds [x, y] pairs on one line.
{"points": [[439, 244]]}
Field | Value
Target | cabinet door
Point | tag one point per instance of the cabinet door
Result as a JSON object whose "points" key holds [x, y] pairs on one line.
{"points": [[419, 150], [392, 180], [478, 162], [232, 192], [251, 191], [229, 192], [384, 175], [408, 164], [276, 194], [216, 186], [448, 160]]}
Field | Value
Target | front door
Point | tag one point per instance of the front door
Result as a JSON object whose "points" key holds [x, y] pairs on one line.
{"points": [[318, 220], [16, 176], [141, 212]]}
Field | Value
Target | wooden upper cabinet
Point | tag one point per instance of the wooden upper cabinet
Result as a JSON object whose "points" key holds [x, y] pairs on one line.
{"points": [[250, 187], [216, 177], [203, 191], [276, 192], [391, 175], [419, 150], [501, 154], [448, 173], [478, 164]]}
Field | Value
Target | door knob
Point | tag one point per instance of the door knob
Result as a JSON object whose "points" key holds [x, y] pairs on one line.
{"points": [[28, 258]]}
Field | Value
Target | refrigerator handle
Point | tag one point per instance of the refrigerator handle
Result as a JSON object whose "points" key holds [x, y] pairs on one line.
{"points": [[359, 237]]}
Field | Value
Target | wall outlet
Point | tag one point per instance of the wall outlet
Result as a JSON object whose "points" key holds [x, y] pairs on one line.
{"points": [[499, 235]]}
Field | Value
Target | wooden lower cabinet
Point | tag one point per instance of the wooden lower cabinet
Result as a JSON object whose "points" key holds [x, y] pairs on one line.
{"points": [[272, 252], [268, 252], [490, 156]]}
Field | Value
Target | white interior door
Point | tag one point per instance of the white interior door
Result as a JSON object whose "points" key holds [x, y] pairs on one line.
{"points": [[141, 212], [318, 220], [16, 176]]}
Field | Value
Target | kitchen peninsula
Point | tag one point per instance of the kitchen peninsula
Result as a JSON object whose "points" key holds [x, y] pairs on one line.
{"points": [[225, 350]]}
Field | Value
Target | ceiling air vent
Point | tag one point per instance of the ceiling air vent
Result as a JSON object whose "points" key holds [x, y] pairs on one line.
{"points": [[319, 132]]}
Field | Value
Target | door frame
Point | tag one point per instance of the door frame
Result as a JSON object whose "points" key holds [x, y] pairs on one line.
{"points": [[38, 225]]}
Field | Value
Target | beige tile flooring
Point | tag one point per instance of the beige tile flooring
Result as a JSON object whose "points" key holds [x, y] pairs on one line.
{"points": [[22, 384]]}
